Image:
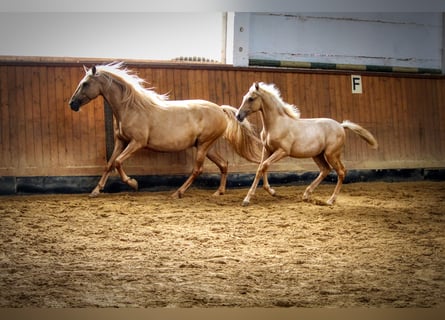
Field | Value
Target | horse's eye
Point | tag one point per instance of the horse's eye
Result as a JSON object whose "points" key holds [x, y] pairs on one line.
{"points": [[251, 99], [85, 85]]}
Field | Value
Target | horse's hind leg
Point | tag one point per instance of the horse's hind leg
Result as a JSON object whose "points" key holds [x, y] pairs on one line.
{"points": [[338, 166], [222, 165], [324, 171]]}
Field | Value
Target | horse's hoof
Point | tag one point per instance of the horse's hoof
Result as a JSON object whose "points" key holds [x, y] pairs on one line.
{"points": [[133, 184], [272, 192], [94, 194], [245, 203], [177, 195], [218, 193], [330, 202]]}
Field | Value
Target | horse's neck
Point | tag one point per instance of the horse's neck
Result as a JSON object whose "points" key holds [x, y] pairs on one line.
{"points": [[271, 115], [112, 102], [114, 96]]}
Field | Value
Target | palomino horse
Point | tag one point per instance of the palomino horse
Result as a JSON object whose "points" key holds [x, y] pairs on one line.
{"points": [[285, 134], [143, 118]]}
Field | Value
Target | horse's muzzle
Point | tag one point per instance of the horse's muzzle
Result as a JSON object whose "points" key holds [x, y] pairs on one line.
{"points": [[75, 105], [240, 117]]}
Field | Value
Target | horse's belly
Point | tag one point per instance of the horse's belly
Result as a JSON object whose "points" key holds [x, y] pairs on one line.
{"points": [[171, 143], [305, 151], [298, 144]]}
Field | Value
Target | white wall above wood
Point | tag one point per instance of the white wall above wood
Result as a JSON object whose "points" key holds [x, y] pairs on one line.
{"points": [[387, 39]]}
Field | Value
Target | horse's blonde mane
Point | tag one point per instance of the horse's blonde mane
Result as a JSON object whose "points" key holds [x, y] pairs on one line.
{"points": [[132, 86], [274, 94]]}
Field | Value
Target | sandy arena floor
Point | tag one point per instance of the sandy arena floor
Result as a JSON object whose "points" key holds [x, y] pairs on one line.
{"points": [[381, 245]]}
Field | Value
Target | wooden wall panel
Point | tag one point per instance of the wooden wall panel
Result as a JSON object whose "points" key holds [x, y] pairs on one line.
{"points": [[5, 154], [40, 135]]}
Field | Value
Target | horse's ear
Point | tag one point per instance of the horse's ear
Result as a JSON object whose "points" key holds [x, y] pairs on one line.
{"points": [[257, 86], [85, 69], [93, 70]]}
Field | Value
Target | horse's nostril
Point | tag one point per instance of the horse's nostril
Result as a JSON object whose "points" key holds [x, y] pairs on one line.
{"points": [[75, 105]]}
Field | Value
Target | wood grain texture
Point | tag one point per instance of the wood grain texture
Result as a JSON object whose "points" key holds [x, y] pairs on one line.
{"points": [[40, 135]]}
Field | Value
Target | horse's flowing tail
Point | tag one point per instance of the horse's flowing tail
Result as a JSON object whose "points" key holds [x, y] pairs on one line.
{"points": [[242, 136], [362, 132]]}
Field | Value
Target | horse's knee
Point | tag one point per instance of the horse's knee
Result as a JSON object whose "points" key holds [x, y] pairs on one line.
{"points": [[324, 172], [116, 165], [341, 174], [225, 167], [263, 168], [197, 171]]}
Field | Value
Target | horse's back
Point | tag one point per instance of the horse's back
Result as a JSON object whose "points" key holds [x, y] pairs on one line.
{"points": [[322, 122], [205, 116], [193, 104]]}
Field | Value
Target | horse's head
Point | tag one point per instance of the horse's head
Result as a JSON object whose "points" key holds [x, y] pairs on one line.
{"points": [[252, 102], [88, 89]]}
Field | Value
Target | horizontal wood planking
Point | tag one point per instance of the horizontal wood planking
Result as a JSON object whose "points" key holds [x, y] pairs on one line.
{"points": [[40, 135]]}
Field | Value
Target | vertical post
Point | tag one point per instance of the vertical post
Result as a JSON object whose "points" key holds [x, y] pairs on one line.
{"points": [[224, 38], [109, 130], [241, 39], [228, 42], [443, 43]]}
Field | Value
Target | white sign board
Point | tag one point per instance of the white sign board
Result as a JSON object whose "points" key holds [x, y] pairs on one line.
{"points": [[356, 83]]}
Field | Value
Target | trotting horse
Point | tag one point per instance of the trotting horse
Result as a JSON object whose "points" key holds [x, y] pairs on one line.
{"points": [[286, 134], [143, 118]]}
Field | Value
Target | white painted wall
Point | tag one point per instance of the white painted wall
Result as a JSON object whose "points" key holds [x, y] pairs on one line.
{"points": [[146, 35], [386, 39], [389, 39]]}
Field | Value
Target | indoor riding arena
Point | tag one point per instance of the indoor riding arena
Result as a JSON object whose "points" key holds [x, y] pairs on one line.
{"points": [[381, 244]]}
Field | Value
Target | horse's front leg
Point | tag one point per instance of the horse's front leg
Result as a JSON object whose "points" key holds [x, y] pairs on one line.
{"points": [[131, 148], [118, 148], [262, 171], [266, 185], [201, 153]]}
